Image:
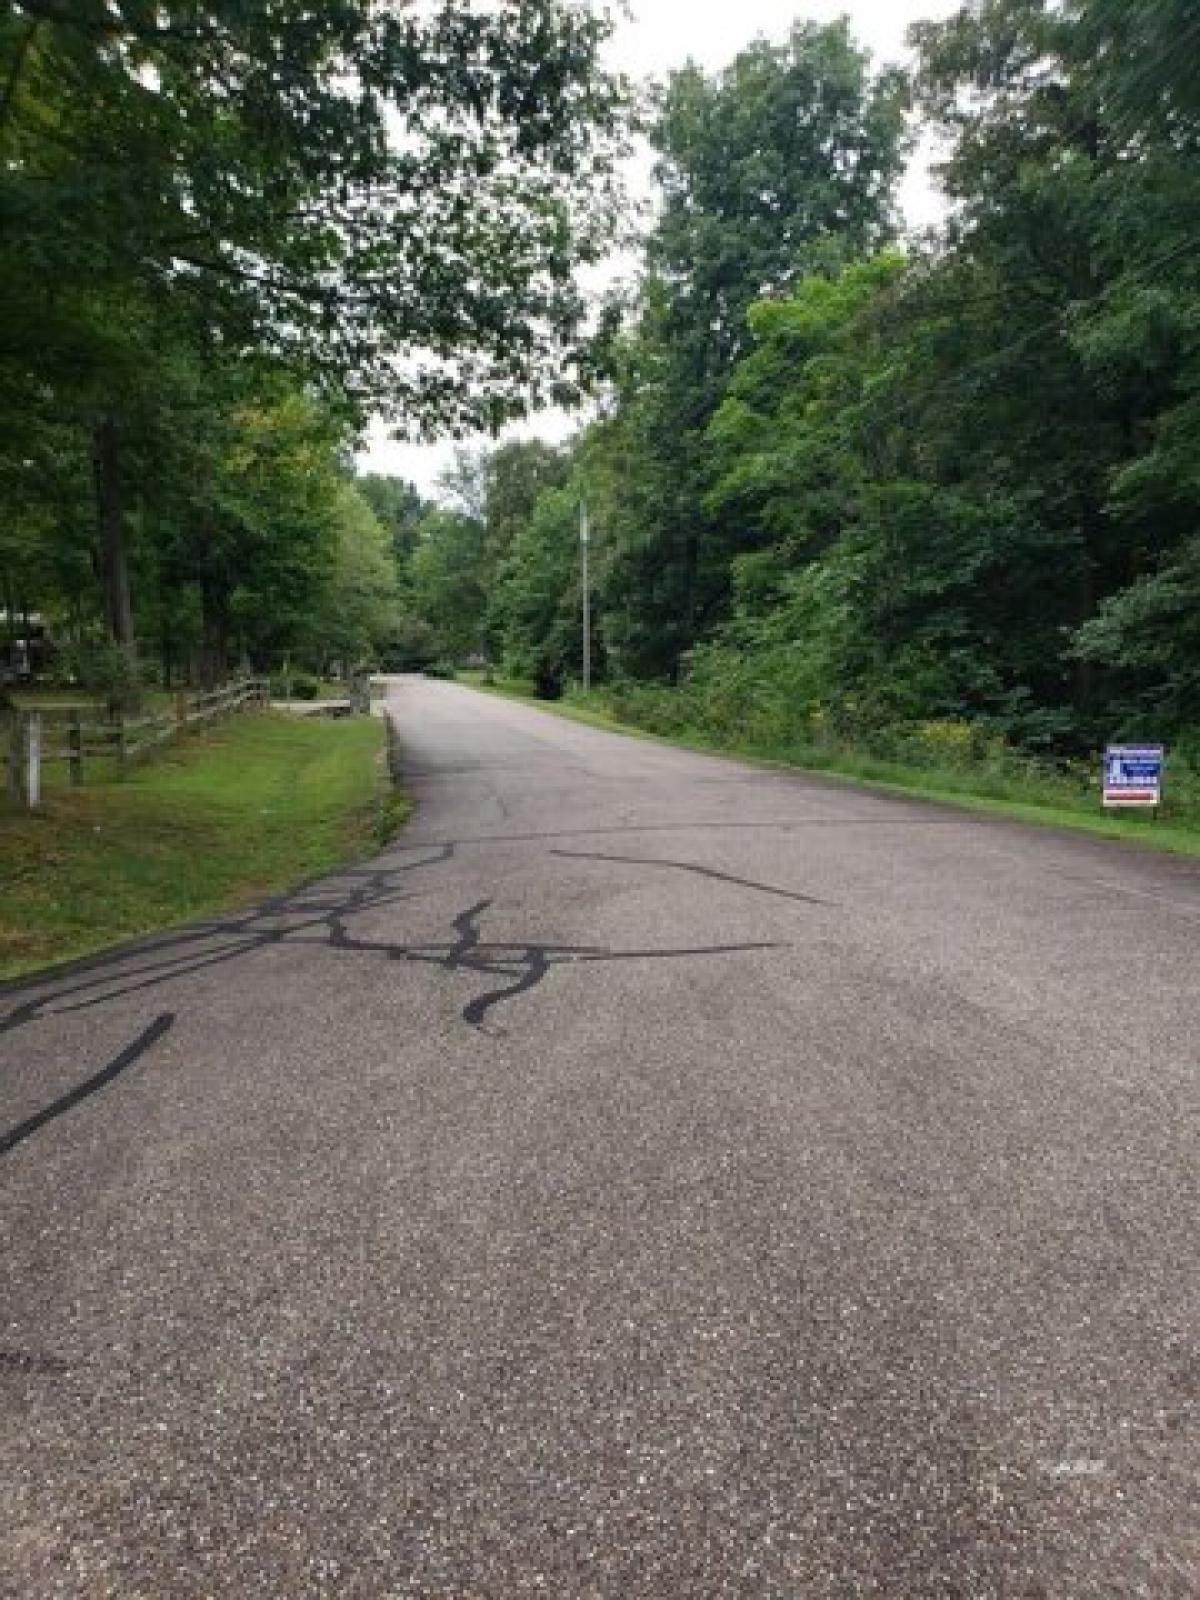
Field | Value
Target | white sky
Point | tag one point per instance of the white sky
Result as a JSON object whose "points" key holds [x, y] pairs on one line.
{"points": [[661, 36]]}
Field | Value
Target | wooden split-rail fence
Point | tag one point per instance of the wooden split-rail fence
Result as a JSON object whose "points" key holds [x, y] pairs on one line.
{"points": [[81, 737]]}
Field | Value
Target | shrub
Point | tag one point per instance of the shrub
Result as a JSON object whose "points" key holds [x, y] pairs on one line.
{"points": [[547, 678], [295, 686], [111, 672]]}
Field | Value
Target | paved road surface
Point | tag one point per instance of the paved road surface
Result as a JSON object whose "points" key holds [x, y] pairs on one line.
{"points": [[652, 1177]]}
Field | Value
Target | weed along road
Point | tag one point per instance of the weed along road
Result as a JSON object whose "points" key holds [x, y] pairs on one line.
{"points": [[651, 1176]]}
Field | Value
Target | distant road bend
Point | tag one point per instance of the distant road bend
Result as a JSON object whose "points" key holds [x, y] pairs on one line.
{"points": [[652, 1176]]}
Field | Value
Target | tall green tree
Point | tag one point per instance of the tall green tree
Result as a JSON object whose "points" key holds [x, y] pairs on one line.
{"points": [[358, 614], [781, 164], [399, 507], [1072, 278], [971, 480], [448, 588], [538, 605]]}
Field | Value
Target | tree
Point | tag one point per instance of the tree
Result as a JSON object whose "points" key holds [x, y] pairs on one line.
{"points": [[970, 480], [388, 203], [538, 601], [950, 492], [358, 614], [782, 163], [517, 476], [778, 166], [447, 582], [399, 508], [369, 189], [1073, 161]]}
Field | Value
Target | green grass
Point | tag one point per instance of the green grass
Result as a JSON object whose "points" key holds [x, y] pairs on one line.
{"points": [[245, 808], [1039, 800]]}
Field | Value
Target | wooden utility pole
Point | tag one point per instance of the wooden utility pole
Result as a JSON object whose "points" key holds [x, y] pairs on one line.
{"points": [[584, 541]]}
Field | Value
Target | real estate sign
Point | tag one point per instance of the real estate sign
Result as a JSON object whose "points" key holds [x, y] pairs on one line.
{"points": [[1133, 775]]}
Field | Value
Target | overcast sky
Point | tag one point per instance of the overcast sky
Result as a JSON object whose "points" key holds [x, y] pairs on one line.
{"points": [[662, 35]]}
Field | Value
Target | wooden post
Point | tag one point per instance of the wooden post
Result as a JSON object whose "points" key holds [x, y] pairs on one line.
{"points": [[33, 759], [75, 749], [181, 711], [122, 751]]}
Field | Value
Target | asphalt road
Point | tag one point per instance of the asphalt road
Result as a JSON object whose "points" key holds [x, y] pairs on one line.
{"points": [[653, 1176]]}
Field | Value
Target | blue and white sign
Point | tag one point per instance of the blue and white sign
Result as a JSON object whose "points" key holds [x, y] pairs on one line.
{"points": [[1133, 775]]}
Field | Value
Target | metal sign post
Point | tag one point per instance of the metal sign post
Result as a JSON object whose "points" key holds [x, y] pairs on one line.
{"points": [[584, 541]]}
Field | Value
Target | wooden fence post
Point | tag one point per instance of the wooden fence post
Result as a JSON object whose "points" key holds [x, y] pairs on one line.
{"points": [[33, 759], [75, 749], [181, 711], [122, 751]]}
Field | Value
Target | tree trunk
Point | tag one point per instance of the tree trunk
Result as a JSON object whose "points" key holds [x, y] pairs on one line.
{"points": [[215, 637], [114, 566]]}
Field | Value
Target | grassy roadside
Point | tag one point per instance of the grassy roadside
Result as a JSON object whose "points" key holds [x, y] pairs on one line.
{"points": [[240, 810], [1040, 802]]}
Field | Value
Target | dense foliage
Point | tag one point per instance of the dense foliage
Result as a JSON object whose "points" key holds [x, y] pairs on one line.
{"points": [[840, 485], [228, 232], [843, 487]]}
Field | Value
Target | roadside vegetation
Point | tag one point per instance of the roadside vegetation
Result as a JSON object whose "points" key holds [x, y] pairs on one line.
{"points": [[939, 761], [924, 506], [253, 805]]}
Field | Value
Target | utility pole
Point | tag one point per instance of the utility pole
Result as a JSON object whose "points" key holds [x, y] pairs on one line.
{"points": [[584, 541]]}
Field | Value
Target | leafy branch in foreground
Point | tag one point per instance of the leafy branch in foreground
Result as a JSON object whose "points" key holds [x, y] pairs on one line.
{"points": [[382, 205]]}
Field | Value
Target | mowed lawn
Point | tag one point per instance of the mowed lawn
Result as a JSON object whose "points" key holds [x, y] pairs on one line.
{"points": [[247, 807]]}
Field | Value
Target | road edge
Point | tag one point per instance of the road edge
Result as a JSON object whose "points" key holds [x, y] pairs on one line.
{"points": [[1178, 843]]}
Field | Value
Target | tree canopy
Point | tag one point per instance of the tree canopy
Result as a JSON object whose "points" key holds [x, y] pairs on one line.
{"points": [[838, 480], [840, 483], [378, 209]]}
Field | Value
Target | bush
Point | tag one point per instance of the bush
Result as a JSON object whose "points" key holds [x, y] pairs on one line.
{"points": [[295, 686], [440, 669], [547, 679], [109, 671]]}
